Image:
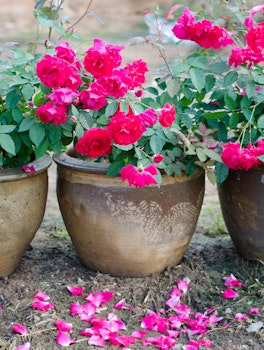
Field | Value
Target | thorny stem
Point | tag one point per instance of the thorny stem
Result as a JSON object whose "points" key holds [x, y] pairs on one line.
{"points": [[82, 16], [243, 132], [159, 46], [182, 136]]}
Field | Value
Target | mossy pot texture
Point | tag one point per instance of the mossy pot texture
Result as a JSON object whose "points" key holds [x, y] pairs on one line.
{"points": [[23, 199], [242, 202], [122, 230]]}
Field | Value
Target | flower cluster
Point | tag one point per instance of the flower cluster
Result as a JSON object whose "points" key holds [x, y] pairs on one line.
{"points": [[104, 102], [236, 158], [218, 94]]}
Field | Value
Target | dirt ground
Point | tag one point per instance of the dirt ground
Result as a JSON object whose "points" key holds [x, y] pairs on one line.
{"points": [[51, 264]]}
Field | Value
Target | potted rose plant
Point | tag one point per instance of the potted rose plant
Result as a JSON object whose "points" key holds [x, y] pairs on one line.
{"points": [[24, 144], [218, 88], [143, 229]]}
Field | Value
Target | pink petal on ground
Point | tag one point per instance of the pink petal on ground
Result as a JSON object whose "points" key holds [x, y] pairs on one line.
{"points": [[87, 332], [25, 346], [96, 340], [254, 310], [42, 305], [201, 342], [64, 339], [20, 329], [240, 316], [183, 285], [120, 304], [76, 309], [139, 334], [41, 296], [230, 294], [99, 298], [1, 307], [75, 290], [124, 340], [63, 326], [232, 281]]}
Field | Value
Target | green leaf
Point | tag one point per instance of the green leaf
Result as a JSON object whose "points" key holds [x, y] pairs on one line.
{"points": [[12, 99], [6, 129], [37, 133], [259, 79], [28, 91], [234, 119], [186, 119], [111, 108], [221, 171], [79, 130], [115, 168], [156, 144], [215, 115], [213, 155], [229, 102], [26, 124], [261, 122], [230, 78], [17, 115], [197, 77], [173, 87], [200, 154], [7, 143]]}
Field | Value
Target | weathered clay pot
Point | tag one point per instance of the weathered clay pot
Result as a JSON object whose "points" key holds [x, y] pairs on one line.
{"points": [[242, 202], [122, 230], [22, 205]]}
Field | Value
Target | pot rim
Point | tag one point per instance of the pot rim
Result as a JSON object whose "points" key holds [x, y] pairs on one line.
{"points": [[66, 159], [12, 174]]}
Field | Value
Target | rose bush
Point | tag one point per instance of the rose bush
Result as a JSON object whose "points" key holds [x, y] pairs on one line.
{"points": [[217, 87]]}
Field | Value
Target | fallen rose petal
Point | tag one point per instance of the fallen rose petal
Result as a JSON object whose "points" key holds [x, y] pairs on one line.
{"points": [[28, 169], [230, 294], [1, 307], [75, 290], [63, 326], [19, 328], [25, 346], [122, 305], [100, 298], [183, 285], [254, 310], [96, 340], [76, 309], [232, 281], [139, 334], [42, 305], [124, 340], [64, 339], [41, 296], [87, 332], [239, 316]]}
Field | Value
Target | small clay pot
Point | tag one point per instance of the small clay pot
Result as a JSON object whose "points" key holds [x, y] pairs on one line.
{"points": [[242, 202], [122, 230], [23, 199]]}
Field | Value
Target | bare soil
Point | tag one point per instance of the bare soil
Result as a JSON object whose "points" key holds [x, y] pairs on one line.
{"points": [[51, 264]]}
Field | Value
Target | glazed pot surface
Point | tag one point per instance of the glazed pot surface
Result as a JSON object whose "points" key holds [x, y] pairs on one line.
{"points": [[127, 231], [22, 205], [242, 202]]}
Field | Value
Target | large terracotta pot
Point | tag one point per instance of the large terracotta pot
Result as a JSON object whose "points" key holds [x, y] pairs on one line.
{"points": [[22, 205], [242, 202], [122, 230]]}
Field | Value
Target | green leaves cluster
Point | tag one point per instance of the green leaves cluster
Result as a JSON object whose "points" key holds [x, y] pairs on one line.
{"points": [[23, 137]]}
